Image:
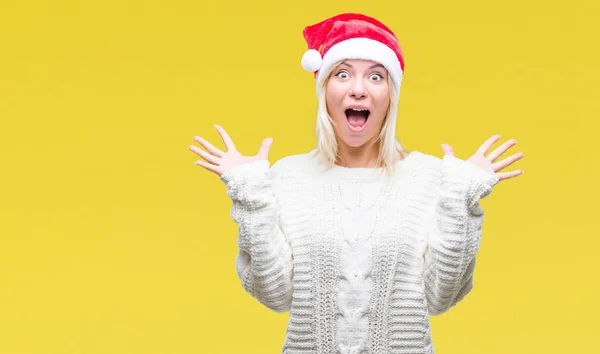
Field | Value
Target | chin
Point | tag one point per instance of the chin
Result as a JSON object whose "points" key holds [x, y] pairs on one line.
{"points": [[355, 142]]}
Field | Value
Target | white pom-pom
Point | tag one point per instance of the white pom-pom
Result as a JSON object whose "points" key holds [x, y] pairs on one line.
{"points": [[311, 60]]}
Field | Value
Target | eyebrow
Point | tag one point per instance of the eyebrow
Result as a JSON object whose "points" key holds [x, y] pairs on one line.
{"points": [[371, 67]]}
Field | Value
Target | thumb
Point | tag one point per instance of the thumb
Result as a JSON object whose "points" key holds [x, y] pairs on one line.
{"points": [[448, 149], [263, 152]]}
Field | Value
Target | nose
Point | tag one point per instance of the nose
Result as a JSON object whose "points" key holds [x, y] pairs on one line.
{"points": [[358, 90]]}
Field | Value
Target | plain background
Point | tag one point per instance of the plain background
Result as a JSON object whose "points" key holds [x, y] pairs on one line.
{"points": [[113, 241]]}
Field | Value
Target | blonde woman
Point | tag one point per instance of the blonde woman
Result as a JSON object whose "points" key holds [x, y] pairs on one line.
{"points": [[360, 239]]}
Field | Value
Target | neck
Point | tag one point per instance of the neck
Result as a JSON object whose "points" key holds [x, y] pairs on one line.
{"points": [[363, 156]]}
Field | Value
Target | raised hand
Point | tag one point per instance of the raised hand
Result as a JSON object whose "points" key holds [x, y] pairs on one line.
{"points": [[218, 161], [487, 163]]}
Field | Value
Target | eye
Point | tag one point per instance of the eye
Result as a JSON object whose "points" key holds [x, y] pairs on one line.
{"points": [[376, 77], [342, 75]]}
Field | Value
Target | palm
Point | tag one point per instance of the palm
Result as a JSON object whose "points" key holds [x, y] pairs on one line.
{"points": [[218, 161], [487, 163]]}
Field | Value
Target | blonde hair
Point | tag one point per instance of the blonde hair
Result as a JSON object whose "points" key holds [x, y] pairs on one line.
{"points": [[390, 148]]}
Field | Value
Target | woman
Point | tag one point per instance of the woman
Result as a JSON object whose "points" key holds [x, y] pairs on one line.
{"points": [[359, 239]]}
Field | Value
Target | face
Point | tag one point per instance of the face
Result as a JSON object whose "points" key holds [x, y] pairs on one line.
{"points": [[357, 96]]}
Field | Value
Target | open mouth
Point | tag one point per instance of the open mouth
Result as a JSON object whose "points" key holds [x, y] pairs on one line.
{"points": [[357, 118]]}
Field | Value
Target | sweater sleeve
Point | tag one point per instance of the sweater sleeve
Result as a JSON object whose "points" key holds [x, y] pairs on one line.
{"points": [[264, 259], [454, 233]]}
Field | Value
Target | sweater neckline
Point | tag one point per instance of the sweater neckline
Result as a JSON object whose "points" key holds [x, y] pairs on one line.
{"points": [[364, 173]]}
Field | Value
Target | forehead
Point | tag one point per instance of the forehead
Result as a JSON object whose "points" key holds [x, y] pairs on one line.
{"points": [[361, 64]]}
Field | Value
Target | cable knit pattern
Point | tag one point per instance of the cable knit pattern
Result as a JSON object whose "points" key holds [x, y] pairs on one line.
{"points": [[359, 216], [361, 260]]}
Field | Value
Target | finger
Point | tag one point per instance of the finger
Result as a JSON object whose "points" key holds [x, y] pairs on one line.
{"points": [[493, 156], [511, 174], [263, 152], [485, 147], [209, 147], [507, 161], [203, 154], [448, 150], [209, 167], [229, 145]]}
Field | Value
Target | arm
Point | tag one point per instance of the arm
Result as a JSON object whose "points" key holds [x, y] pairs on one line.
{"points": [[264, 260], [455, 233]]}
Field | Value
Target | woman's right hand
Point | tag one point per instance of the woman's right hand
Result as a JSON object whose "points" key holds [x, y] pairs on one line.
{"points": [[218, 161]]}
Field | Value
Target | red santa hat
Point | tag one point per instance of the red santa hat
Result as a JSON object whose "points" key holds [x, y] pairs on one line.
{"points": [[352, 36]]}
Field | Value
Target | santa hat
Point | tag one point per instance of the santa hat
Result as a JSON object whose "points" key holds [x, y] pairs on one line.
{"points": [[352, 36]]}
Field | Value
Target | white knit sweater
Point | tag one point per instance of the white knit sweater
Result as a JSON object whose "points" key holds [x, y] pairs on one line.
{"points": [[361, 260]]}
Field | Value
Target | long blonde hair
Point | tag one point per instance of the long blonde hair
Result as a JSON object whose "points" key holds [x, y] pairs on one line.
{"points": [[390, 148]]}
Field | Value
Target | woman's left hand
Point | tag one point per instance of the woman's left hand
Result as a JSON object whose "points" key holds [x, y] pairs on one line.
{"points": [[487, 163]]}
